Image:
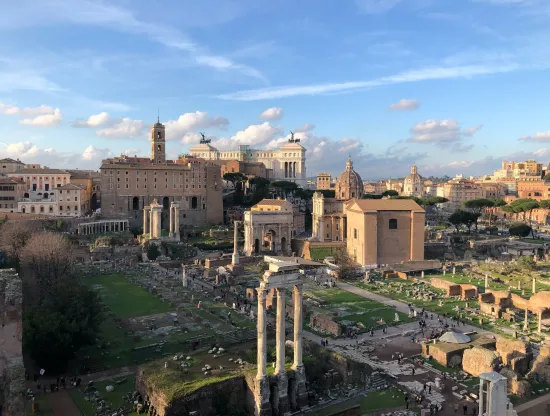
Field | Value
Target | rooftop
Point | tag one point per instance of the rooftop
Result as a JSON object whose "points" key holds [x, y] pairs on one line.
{"points": [[385, 205], [42, 171]]}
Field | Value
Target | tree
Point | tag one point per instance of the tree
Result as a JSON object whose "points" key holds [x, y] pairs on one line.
{"points": [[234, 178], [497, 203], [390, 193], [63, 322], [456, 219], [525, 205], [153, 252], [14, 235], [527, 262], [329, 193], [476, 206], [519, 229], [432, 200], [345, 263], [372, 196], [50, 257], [461, 217], [284, 188]]}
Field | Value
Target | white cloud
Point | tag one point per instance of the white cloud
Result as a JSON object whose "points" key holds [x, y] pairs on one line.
{"points": [[13, 110], [423, 74], [96, 120], [189, 122], [376, 6], [445, 133], [9, 110], [94, 153], [253, 135], [305, 128], [404, 105], [194, 138], [124, 128], [472, 130], [272, 114], [541, 152], [45, 120], [538, 137]]}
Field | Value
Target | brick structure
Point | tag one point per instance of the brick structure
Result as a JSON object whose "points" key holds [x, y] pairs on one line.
{"points": [[128, 184], [464, 291], [325, 323]]}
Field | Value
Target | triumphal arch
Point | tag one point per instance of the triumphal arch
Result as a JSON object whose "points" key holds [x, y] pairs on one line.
{"points": [[283, 391]]}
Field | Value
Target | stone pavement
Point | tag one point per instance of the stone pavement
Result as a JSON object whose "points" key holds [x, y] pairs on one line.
{"points": [[61, 404]]}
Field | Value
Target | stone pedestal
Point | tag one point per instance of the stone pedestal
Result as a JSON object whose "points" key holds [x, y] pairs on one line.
{"points": [[301, 392], [261, 393], [282, 403], [236, 269]]}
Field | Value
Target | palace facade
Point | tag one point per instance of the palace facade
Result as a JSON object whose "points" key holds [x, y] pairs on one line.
{"points": [[128, 184]]}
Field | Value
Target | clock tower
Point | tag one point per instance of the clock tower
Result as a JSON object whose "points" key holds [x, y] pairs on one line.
{"points": [[158, 143]]}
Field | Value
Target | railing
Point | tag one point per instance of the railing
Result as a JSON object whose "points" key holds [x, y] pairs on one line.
{"points": [[37, 200]]}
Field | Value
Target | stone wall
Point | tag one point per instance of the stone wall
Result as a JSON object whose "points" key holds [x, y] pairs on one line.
{"points": [[479, 360], [325, 323], [451, 289], [12, 371], [509, 349]]}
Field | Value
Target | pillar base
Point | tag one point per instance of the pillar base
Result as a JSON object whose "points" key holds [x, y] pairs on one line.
{"points": [[171, 235], [301, 392], [236, 269], [235, 258], [282, 400], [177, 236], [261, 396]]}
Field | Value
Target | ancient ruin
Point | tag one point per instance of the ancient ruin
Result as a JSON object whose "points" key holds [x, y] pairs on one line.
{"points": [[280, 277]]}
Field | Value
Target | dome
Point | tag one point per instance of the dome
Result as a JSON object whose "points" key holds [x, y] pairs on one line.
{"points": [[455, 338], [349, 184], [413, 184]]}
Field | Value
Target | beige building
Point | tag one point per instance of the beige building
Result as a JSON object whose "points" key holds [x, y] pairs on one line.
{"points": [[128, 184], [269, 227], [8, 165], [41, 179], [375, 188], [517, 170], [384, 231], [376, 232], [458, 190], [287, 163], [324, 181], [11, 192]]}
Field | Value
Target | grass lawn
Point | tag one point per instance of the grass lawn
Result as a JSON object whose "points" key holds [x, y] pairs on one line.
{"points": [[44, 408], [352, 307], [125, 299], [114, 399], [319, 253], [376, 401]]}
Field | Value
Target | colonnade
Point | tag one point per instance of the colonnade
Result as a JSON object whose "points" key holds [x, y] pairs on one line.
{"points": [[103, 226], [152, 219], [280, 404], [174, 230]]}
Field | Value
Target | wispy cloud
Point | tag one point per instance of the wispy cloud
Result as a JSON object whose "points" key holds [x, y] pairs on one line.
{"points": [[87, 12], [423, 74], [376, 6]]}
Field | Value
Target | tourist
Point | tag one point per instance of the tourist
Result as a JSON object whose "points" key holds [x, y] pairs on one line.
{"points": [[412, 371], [474, 411], [406, 400], [465, 408], [429, 389], [456, 405]]}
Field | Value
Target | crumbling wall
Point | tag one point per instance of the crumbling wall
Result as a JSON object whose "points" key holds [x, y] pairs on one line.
{"points": [[509, 349], [325, 323], [479, 360], [12, 371]]}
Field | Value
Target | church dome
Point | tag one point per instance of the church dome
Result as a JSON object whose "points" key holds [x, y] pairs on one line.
{"points": [[349, 184], [414, 183]]}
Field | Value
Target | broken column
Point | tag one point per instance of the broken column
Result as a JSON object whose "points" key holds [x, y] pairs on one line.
{"points": [[539, 329], [526, 323], [146, 220], [235, 267], [486, 281], [298, 366]]}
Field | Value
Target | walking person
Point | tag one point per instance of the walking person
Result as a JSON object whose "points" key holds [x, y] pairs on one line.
{"points": [[465, 408]]}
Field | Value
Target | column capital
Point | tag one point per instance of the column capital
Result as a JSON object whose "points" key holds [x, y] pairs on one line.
{"points": [[281, 291], [262, 293], [299, 288]]}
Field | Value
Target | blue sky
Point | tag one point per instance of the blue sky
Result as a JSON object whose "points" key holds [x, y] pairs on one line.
{"points": [[453, 85]]}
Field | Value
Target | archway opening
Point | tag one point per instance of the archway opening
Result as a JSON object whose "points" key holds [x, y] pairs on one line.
{"points": [[256, 244], [94, 203], [26, 195], [135, 203], [194, 202], [283, 244], [269, 241], [166, 202], [32, 210]]}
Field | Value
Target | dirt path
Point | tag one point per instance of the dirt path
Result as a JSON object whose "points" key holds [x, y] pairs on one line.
{"points": [[61, 404]]}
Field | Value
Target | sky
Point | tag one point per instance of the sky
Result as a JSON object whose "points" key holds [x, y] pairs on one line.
{"points": [[454, 86]]}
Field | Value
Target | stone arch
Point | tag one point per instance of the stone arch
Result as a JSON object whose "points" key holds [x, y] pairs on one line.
{"points": [[166, 203], [270, 240], [194, 202], [283, 244], [32, 209], [135, 203], [26, 195]]}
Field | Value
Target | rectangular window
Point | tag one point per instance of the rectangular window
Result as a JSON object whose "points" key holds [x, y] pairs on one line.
{"points": [[355, 233]]}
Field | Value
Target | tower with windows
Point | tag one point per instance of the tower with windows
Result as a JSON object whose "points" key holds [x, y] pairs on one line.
{"points": [[158, 143]]}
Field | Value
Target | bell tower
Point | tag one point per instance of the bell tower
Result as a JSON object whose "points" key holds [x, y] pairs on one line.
{"points": [[158, 142]]}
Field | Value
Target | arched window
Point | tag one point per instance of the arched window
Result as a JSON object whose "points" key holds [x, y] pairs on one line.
{"points": [[393, 224], [26, 195], [135, 203], [194, 202], [46, 195]]}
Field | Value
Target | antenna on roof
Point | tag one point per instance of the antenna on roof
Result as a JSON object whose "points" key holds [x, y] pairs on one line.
{"points": [[158, 115]]}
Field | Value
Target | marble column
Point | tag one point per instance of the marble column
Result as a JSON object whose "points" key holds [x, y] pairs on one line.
{"points": [[526, 323], [534, 285], [177, 221], [156, 212], [486, 281], [280, 331], [298, 290], [539, 329], [482, 399], [281, 402], [235, 256], [261, 383], [171, 227]]}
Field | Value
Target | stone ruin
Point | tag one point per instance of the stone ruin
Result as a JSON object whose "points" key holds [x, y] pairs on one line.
{"points": [[12, 371]]}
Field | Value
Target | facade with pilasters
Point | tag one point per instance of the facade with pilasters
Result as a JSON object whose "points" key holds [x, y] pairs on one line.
{"points": [[288, 163]]}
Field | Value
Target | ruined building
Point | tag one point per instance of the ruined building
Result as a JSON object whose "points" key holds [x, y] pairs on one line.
{"points": [[12, 371]]}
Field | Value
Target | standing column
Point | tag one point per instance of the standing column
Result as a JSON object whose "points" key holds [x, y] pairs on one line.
{"points": [[177, 221], [526, 323], [534, 285], [171, 227], [280, 334], [297, 326], [261, 384], [540, 322], [482, 398], [235, 256]]}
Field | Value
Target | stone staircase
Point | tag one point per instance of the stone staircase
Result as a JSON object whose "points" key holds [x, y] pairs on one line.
{"points": [[377, 382]]}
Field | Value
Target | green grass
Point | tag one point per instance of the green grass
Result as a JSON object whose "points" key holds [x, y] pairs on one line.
{"points": [[44, 408], [114, 399], [319, 253], [355, 308], [391, 398], [125, 299]]}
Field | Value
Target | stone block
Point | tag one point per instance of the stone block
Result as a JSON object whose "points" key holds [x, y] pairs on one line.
{"points": [[479, 360]]}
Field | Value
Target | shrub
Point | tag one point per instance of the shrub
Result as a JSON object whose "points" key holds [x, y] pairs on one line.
{"points": [[520, 229]]}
